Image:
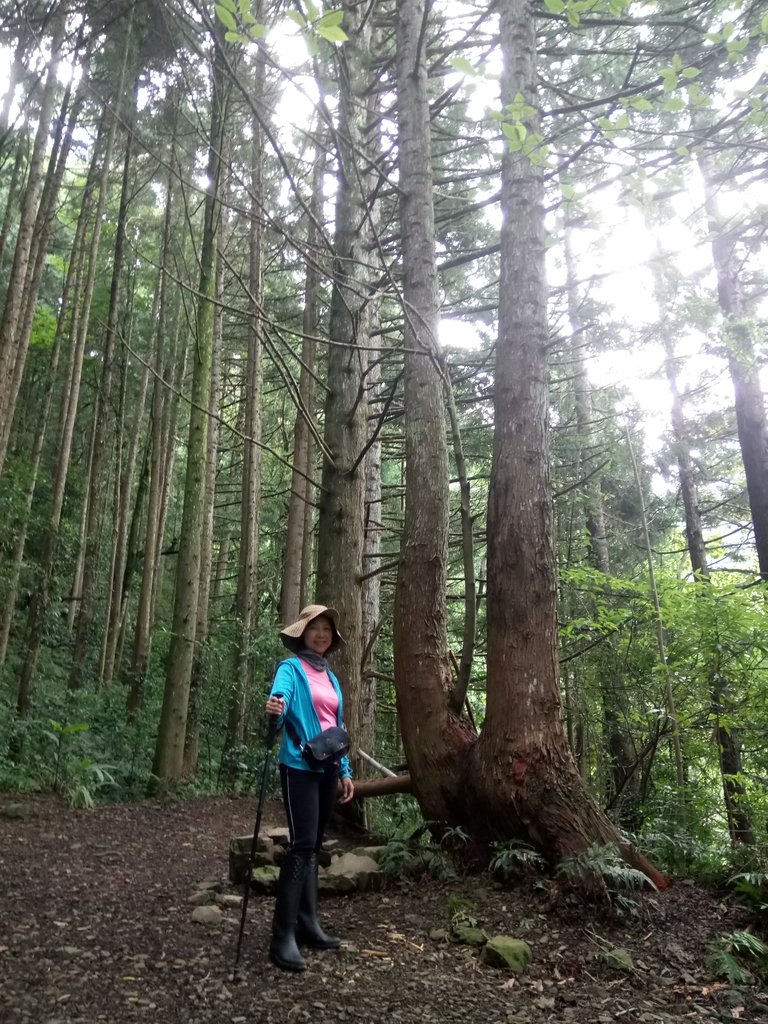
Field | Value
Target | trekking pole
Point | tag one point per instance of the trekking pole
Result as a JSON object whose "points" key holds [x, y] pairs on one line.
{"points": [[272, 728]]}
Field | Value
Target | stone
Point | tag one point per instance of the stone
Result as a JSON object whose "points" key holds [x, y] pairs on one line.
{"points": [[210, 883], [363, 871], [242, 844], [335, 885], [279, 836], [17, 810], [228, 900], [264, 879], [239, 854], [507, 953], [207, 915], [374, 852], [439, 935], [202, 898]]}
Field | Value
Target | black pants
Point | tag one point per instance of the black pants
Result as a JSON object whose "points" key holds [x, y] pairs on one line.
{"points": [[308, 798]]}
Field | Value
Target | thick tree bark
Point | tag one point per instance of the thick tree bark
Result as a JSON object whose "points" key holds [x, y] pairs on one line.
{"points": [[168, 762], [435, 741], [340, 526], [519, 778]]}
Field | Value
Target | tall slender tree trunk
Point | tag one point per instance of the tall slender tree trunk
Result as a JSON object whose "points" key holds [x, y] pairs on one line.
{"points": [[84, 265], [14, 190], [102, 422], [122, 522], [739, 335], [295, 566], [14, 297], [168, 764], [199, 664], [728, 737], [170, 355], [624, 777], [251, 481]]}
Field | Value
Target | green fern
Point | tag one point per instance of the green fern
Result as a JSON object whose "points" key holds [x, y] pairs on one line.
{"points": [[733, 956], [606, 862], [751, 890], [513, 858], [461, 911]]}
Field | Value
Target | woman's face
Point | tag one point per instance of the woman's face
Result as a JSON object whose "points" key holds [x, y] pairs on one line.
{"points": [[318, 636]]}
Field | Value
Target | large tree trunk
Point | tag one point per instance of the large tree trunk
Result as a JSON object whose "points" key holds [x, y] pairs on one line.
{"points": [[435, 740], [526, 779], [340, 527], [519, 778], [168, 764]]}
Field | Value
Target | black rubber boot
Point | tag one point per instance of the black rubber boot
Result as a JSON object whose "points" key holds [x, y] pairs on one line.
{"points": [[308, 930], [283, 949]]}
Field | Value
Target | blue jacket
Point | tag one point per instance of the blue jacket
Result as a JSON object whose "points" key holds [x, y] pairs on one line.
{"points": [[292, 685]]}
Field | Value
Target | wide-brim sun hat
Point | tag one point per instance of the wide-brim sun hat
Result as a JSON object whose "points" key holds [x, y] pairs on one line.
{"points": [[291, 635]]}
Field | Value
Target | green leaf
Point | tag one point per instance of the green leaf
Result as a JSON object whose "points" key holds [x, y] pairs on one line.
{"points": [[764, 25], [226, 17], [555, 6], [463, 65], [245, 8], [690, 72], [257, 30], [233, 37], [333, 34], [298, 17], [331, 18], [313, 11], [641, 103], [568, 191], [229, 5]]}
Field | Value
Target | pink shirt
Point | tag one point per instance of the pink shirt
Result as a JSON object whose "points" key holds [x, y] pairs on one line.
{"points": [[324, 695]]}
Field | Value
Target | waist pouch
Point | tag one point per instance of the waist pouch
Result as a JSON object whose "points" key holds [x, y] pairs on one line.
{"points": [[324, 749]]}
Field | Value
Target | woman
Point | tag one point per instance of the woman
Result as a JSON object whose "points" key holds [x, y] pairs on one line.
{"points": [[306, 697]]}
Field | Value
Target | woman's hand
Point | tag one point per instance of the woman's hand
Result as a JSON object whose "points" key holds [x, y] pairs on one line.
{"points": [[275, 706], [346, 790]]}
